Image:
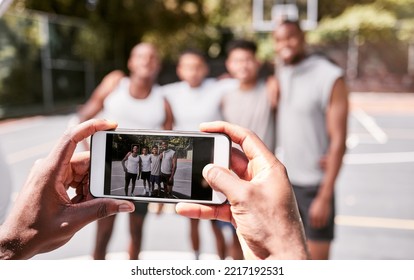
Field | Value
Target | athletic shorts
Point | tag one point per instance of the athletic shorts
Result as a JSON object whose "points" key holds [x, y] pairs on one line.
{"points": [[304, 198], [145, 175], [165, 178], [222, 225], [129, 176], [155, 179], [141, 208]]}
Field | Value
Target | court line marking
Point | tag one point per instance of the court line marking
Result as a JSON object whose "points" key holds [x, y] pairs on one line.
{"points": [[152, 255], [378, 158], [374, 222], [13, 126], [33, 151], [370, 125]]}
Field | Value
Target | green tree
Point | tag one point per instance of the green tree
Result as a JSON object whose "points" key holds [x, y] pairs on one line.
{"points": [[378, 20]]}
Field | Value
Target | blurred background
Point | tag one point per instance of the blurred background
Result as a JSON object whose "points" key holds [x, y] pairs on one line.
{"points": [[53, 53]]}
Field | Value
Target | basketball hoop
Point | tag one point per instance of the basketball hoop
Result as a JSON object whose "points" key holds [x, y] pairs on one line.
{"points": [[284, 9], [4, 5]]}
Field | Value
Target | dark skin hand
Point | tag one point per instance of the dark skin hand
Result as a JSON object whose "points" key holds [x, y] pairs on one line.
{"points": [[262, 205], [44, 217]]}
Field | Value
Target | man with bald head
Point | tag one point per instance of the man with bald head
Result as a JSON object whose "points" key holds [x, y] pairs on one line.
{"points": [[135, 102], [310, 131], [125, 99]]}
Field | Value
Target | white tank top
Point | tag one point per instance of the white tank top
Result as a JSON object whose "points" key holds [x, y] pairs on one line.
{"points": [[192, 106], [146, 162], [132, 164], [166, 162], [302, 137], [155, 165], [132, 113]]}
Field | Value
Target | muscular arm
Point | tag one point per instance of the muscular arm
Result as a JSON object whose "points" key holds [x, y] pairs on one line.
{"points": [[272, 90], [336, 115], [139, 164], [124, 160], [168, 123], [174, 165], [95, 103]]}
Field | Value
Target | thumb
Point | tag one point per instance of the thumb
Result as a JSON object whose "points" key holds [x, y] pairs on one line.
{"points": [[222, 180], [92, 210]]}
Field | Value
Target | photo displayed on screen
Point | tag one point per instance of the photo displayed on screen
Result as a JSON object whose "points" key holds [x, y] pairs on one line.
{"points": [[157, 166]]}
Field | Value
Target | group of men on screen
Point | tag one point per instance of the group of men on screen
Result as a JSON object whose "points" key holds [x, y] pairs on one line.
{"points": [[153, 168]]}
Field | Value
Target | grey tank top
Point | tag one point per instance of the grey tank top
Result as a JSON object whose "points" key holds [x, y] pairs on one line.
{"points": [[252, 110], [301, 135]]}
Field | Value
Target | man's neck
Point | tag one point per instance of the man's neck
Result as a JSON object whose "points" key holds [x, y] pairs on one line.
{"points": [[248, 85], [194, 86], [140, 88], [298, 59]]}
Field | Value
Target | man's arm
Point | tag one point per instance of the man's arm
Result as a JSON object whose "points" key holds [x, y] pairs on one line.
{"points": [[272, 90], [124, 160], [95, 103], [174, 165], [139, 166], [39, 223], [336, 115], [169, 119]]}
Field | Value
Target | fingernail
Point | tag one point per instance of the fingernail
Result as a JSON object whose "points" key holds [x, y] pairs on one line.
{"points": [[206, 169], [125, 208], [111, 122]]}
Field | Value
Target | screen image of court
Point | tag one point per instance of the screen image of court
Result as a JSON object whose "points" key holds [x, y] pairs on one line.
{"points": [[182, 180]]}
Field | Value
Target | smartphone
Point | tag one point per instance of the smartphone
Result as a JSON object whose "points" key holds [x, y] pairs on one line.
{"points": [[156, 166]]}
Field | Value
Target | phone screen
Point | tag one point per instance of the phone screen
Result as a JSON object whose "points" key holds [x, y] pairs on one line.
{"points": [[183, 156]]}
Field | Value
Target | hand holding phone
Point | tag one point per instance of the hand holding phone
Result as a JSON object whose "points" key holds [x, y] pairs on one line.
{"points": [[262, 205], [156, 166]]}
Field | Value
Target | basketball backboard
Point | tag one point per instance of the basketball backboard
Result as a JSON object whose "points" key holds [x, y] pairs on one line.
{"points": [[266, 13]]}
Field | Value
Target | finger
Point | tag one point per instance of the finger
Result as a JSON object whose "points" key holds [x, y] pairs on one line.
{"points": [[322, 221], [315, 221], [222, 180], [66, 146], [251, 144], [92, 210], [312, 219], [78, 198], [200, 211], [238, 163], [80, 163], [80, 169]]}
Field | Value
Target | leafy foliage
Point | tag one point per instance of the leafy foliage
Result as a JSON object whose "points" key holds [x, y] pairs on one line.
{"points": [[375, 21], [369, 20], [102, 33]]}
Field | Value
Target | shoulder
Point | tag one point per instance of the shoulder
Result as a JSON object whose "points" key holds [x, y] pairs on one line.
{"points": [[226, 87], [227, 83], [169, 89], [323, 63], [210, 82], [109, 83], [157, 92], [171, 86], [114, 77]]}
